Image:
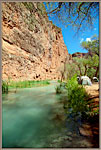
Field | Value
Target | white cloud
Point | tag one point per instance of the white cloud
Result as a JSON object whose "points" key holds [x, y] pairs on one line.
{"points": [[88, 39], [81, 40]]}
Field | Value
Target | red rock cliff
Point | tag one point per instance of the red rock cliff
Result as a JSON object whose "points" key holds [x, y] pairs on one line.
{"points": [[32, 47]]}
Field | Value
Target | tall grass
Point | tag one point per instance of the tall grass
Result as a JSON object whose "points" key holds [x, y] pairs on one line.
{"points": [[4, 87], [27, 84], [22, 84]]}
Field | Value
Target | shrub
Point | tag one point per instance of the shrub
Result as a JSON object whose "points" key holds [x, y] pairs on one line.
{"points": [[59, 81], [58, 89], [91, 72], [77, 96]]}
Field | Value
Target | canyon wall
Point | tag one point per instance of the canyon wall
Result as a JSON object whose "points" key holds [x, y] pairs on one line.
{"points": [[79, 55], [32, 47]]}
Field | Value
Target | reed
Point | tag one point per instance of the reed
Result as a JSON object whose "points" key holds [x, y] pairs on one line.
{"points": [[27, 84], [4, 87]]}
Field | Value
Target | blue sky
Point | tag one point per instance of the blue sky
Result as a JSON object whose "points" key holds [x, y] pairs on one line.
{"points": [[73, 42]]}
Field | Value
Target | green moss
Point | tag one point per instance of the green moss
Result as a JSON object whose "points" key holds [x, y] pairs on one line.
{"points": [[31, 27], [41, 8], [29, 6]]}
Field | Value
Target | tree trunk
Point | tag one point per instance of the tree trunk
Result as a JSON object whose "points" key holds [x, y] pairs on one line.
{"points": [[97, 70], [80, 70], [85, 71], [62, 76]]}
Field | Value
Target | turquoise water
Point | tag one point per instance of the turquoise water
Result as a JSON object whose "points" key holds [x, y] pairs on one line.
{"points": [[34, 118]]}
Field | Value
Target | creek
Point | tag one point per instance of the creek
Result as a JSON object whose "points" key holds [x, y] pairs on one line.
{"points": [[34, 118]]}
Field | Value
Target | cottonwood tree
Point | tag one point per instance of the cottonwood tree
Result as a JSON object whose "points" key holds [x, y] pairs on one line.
{"points": [[87, 66], [72, 69], [93, 50], [91, 46], [77, 14], [82, 65], [63, 69]]}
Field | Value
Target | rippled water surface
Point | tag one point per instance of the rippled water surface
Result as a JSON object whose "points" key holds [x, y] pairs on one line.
{"points": [[30, 120]]}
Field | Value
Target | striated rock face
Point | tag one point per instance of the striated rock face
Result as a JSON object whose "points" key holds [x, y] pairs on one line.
{"points": [[32, 47]]}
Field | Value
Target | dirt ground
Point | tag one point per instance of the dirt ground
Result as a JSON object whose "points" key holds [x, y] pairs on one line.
{"points": [[93, 92], [90, 128]]}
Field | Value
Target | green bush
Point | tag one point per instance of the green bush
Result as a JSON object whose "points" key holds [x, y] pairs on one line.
{"points": [[91, 72], [59, 81], [4, 87], [77, 96], [58, 89]]}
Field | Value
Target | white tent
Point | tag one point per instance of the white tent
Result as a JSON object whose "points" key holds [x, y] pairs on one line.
{"points": [[95, 79], [85, 80]]}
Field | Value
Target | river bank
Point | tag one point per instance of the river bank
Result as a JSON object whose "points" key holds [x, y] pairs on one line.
{"points": [[10, 85], [90, 127]]}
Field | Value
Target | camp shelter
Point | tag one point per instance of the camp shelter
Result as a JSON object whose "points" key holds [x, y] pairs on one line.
{"points": [[86, 80], [95, 79]]}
